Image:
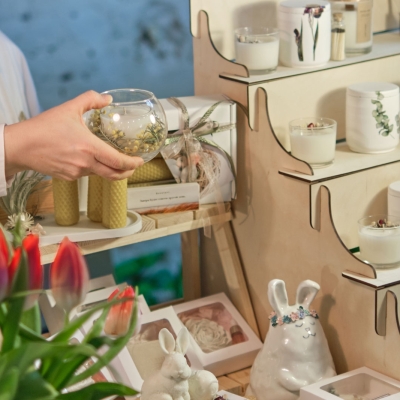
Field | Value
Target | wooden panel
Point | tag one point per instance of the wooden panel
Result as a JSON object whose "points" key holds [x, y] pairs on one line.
{"points": [[230, 385], [242, 376], [210, 210], [321, 93], [234, 276], [166, 220], [347, 162], [190, 265], [93, 246], [237, 13], [355, 196], [385, 45]]}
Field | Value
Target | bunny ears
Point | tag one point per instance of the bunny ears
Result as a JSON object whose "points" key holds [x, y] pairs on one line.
{"points": [[277, 295], [167, 341]]}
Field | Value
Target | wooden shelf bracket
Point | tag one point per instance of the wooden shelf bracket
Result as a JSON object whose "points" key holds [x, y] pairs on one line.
{"points": [[381, 308]]}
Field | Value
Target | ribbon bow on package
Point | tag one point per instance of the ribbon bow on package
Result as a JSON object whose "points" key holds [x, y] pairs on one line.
{"points": [[193, 158]]}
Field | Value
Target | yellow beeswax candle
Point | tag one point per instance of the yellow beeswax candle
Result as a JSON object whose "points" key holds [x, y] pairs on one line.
{"points": [[114, 203], [66, 202], [95, 198]]}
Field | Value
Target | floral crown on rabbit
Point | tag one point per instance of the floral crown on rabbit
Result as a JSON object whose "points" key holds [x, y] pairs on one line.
{"points": [[277, 296], [301, 313]]}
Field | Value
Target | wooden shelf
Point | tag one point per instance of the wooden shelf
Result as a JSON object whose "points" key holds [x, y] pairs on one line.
{"points": [[384, 278], [154, 226], [385, 45], [347, 162]]}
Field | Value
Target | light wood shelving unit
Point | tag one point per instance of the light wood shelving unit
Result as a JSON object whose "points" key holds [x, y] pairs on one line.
{"points": [[187, 224], [292, 222]]}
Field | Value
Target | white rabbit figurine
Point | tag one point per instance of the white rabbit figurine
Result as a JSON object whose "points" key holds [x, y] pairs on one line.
{"points": [[171, 381], [203, 385], [295, 351]]}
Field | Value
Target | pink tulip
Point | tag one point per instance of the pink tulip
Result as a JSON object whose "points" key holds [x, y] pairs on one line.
{"points": [[35, 269], [119, 316], [69, 276]]}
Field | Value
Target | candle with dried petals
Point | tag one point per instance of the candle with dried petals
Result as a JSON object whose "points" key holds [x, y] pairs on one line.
{"points": [[379, 237], [313, 140]]}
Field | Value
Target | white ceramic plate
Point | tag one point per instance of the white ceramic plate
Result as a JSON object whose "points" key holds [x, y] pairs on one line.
{"points": [[86, 229]]}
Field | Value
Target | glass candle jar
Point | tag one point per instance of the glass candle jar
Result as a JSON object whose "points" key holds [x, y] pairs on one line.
{"points": [[305, 32], [357, 15], [379, 238], [313, 140], [134, 123], [257, 48]]}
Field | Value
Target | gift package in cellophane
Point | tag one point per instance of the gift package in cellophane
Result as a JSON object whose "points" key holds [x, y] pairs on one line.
{"points": [[200, 147]]}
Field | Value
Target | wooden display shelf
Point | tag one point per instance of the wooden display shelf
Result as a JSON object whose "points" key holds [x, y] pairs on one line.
{"points": [[384, 278], [346, 162], [384, 45], [154, 226]]}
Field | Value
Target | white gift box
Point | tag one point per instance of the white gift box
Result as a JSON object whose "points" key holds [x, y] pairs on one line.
{"points": [[233, 345], [361, 383], [143, 355], [100, 290], [224, 114]]}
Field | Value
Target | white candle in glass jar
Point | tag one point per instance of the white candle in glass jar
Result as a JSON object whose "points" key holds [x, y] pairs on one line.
{"points": [[313, 140], [258, 56], [315, 149], [380, 245], [351, 44], [126, 121]]}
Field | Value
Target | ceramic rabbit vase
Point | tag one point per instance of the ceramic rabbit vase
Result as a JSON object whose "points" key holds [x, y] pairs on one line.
{"points": [[295, 351]]}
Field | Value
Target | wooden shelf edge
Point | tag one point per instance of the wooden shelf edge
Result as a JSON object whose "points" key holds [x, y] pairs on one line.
{"points": [[48, 252]]}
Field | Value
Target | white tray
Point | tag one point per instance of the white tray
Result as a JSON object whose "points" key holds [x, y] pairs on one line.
{"points": [[86, 229]]}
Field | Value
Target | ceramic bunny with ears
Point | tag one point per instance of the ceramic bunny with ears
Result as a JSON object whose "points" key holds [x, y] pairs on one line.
{"points": [[171, 381], [295, 351]]}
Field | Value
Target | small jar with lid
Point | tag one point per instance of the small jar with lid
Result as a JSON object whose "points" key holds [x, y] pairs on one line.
{"points": [[372, 117], [358, 17], [305, 32]]}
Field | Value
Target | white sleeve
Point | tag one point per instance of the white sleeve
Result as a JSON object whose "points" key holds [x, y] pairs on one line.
{"points": [[3, 181]]}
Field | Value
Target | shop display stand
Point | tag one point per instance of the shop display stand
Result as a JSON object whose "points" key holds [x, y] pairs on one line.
{"points": [[294, 223], [187, 224]]}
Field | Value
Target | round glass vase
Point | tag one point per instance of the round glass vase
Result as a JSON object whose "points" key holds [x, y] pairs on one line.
{"points": [[379, 240], [313, 140], [134, 123]]}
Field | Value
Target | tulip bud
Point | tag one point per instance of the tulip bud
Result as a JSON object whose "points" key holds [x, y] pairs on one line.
{"points": [[119, 316], [35, 269], [4, 246], [69, 276]]}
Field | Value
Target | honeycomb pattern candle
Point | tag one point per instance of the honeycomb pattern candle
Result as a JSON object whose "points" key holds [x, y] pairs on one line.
{"points": [[66, 202], [95, 198], [114, 203]]}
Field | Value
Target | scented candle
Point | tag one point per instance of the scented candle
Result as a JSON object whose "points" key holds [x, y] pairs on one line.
{"points": [[313, 140], [380, 240], [257, 48], [358, 18]]}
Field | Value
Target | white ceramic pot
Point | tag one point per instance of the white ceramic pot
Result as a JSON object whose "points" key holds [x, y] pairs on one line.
{"points": [[305, 32], [372, 117]]}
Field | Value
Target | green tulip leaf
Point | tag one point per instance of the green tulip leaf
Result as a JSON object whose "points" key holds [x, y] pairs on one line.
{"points": [[31, 319], [9, 384], [33, 387], [98, 391]]}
